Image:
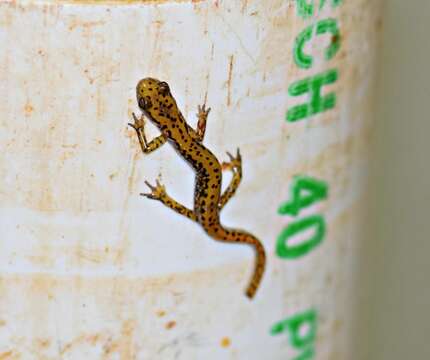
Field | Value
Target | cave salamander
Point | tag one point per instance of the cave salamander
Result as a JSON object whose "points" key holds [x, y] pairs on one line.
{"points": [[159, 106]]}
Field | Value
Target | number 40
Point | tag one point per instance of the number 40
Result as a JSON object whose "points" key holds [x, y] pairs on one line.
{"points": [[305, 191]]}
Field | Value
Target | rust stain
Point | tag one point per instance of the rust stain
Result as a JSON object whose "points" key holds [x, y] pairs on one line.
{"points": [[244, 6], [123, 345], [110, 348], [28, 109], [90, 255], [170, 325], [132, 172], [43, 343], [225, 342], [208, 74], [66, 155], [69, 146], [127, 2], [207, 89], [161, 313], [122, 342], [83, 339], [158, 22], [230, 75], [124, 242], [156, 56], [45, 259], [127, 348], [100, 103], [85, 24], [9, 355]]}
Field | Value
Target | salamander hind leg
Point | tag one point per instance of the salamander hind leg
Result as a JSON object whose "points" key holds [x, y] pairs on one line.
{"points": [[158, 192], [234, 165]]}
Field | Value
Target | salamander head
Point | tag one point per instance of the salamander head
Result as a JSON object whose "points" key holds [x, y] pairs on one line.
{"points": [[155, 100]]}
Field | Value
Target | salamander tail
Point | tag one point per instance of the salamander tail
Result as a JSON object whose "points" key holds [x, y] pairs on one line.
{"points": [[239, 236], [260, 264]]}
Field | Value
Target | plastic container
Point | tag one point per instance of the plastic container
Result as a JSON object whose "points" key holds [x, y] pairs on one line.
{"points": [[92, 270]]}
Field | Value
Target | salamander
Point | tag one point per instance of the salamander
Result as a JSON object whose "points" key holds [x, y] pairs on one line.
{"points": [[156, 103]]}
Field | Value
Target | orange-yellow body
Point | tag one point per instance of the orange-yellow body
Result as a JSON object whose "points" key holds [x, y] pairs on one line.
{"points": [[157, 103]]}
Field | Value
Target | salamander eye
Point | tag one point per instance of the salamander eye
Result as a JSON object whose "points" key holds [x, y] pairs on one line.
{"points": [[142, 103], [145, 103], [163, 88]]}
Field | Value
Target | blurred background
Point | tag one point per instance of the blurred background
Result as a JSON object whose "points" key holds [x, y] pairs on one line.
{"points": [[395, 287]]}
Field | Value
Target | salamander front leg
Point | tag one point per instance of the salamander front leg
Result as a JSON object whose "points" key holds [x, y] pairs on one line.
{"points": [[235, 165], [139, 126], [158, 192], [202, 115]]}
